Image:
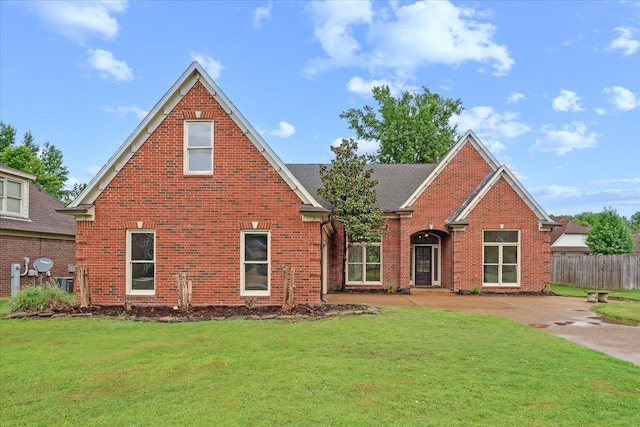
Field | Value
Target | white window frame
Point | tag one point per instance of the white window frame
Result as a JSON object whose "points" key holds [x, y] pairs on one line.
{"points": [[363, 265], [500, 264], [187, 149], [130, 262], [23, 200], [243, 262]]}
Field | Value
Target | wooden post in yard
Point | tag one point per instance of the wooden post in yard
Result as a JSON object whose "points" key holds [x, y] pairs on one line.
{"points": [[82, 277]]}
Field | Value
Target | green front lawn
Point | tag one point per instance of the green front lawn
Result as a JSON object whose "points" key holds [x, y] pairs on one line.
{"points": [[405, 366], [573, 291]]}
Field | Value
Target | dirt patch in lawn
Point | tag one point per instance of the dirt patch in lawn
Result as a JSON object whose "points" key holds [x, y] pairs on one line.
{"points": [[200, 313]]}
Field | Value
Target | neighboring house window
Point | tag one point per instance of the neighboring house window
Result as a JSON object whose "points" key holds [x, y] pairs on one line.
{"points": [[11, 197], [364, 264], [141, 262], [501, 257], [198, 147], [255, 263]]}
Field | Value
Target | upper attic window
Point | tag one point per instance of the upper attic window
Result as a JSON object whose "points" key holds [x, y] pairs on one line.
{"points": [[13, 197], [198, 147]]}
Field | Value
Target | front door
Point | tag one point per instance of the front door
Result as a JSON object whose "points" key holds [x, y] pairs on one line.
{"points": [[423, 263]]}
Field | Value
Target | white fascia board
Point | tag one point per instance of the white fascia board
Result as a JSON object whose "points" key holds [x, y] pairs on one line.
{"points": [[470, 137], [136, 139], [504, 171], [17, 173]]}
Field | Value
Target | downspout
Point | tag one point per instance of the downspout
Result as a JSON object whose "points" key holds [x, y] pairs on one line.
{"points": [[322, 260]]}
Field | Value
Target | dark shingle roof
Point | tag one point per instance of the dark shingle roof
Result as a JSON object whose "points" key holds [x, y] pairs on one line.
{"points": [[567, 227], [396, 182]]}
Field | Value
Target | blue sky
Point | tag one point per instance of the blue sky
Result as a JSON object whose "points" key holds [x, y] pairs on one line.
{"points": [[551, 87]]}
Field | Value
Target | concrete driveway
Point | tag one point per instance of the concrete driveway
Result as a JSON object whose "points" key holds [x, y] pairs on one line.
{"points": [[564, 317]]}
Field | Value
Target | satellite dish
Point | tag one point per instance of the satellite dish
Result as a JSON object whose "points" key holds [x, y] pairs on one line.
{"points": [[43, 264]]}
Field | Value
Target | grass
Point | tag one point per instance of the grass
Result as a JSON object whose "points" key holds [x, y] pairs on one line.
{"points": [[628, 310], [573, 291], [405, 366]]}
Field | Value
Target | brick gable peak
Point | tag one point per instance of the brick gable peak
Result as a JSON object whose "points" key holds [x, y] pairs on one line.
{"points": [[193, 74], [468, 138], [545, 221]]}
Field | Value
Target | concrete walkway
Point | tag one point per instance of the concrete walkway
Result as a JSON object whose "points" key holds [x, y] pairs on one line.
{"points": [[564, 317]]}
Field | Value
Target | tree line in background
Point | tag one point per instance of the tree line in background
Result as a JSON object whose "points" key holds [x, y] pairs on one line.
{"points": [[45, 163]]}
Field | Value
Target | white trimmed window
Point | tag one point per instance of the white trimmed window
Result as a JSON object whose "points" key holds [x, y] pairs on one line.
{"points": [[364, 264], [198, 147], [141, 262], [255, 250], [13, 195], [501, 258]]}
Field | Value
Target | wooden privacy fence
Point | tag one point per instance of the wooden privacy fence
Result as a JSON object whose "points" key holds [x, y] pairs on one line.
{"points": [[597, 271]]}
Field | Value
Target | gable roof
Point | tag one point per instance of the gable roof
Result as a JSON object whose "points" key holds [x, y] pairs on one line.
{"points": [[193, 74], [15, 172], [459, 217], [396, 182]]}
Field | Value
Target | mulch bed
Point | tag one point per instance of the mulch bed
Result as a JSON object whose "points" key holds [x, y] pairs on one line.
{"points": [[200, 313]]}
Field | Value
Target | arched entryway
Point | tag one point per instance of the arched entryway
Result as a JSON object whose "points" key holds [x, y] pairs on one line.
{"points": [[426, 257]]}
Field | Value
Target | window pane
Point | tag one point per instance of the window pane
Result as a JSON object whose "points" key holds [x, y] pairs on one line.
{"points": [[200, 160], [14, 189], [255, 247], [199, 134], [1, 188], [509, 274], [354, 272], [142, 247], [510, 254], [435, 264], [13, 205], [142, 276], [501, 236], [256, 277], [373, 272], [491, 254], [355, 254], [373, 254], [490, 274]]}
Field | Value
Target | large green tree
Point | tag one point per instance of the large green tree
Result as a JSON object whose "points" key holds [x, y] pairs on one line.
{"points": [[634, 221], [610, 235], [45, 163], [348, 186], [413, 128]]}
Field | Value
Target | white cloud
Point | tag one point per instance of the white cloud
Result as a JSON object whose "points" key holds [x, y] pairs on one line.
{"points": [[363, 87], [78, 20], [260, 14], [567, 101], [559, 191], [571, 137], [211, 66], [109, 67], [492, 127], [404, 37], [365, 146], [601, 111], [515, 97], [627, 41], [622, 98], [123, 110], [285, 130]]}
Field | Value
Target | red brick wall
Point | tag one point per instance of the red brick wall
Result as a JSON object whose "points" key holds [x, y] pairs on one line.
{"points": [[15, 248], [198, 219], [503, 206]]}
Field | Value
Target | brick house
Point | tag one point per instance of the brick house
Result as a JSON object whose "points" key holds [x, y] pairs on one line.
{"points": [[31, 228], [196, 190]]}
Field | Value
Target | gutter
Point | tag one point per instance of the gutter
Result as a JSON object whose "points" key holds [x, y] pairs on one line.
{"points": [[322, 260]]}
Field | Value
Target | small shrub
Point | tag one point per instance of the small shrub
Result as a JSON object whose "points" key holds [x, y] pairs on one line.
{"points": [[34, 298], [476, 290], [392, 289]]}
